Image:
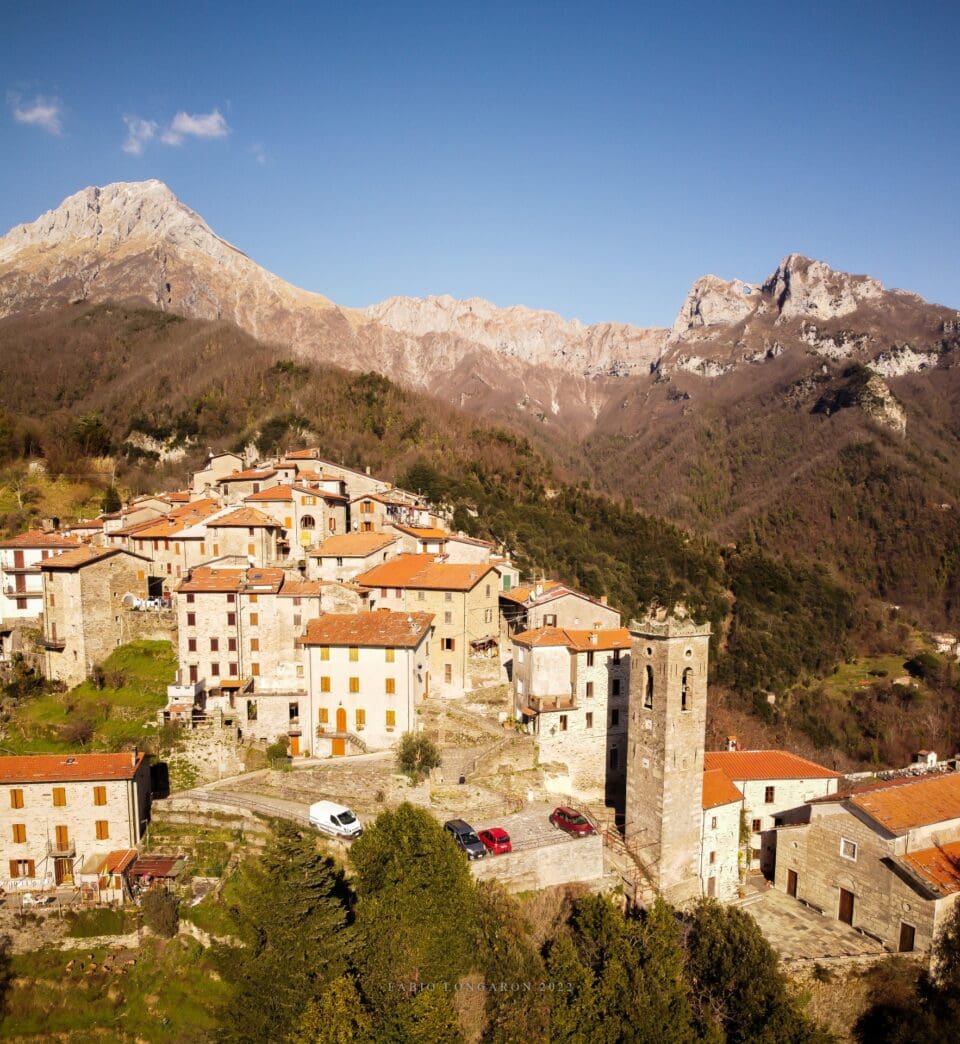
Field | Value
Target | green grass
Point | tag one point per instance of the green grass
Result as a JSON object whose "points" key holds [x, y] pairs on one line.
{"points": [[851, 678], [87, 924], [168, 994], [120, 717]]}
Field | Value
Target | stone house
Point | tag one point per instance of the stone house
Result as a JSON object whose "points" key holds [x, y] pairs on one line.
{"points": [[367, 675], [21, 582], [241, 484], [548, 603], [219, 465], [246, 531], [463, 601], [882, 857], [307, 514], [345, 557], [58, 810], [308, 462], [373, 512], [83, 608], [463, 549], [772, 783], [236, 624], [720, 837], [421, 540], [571, 690]]}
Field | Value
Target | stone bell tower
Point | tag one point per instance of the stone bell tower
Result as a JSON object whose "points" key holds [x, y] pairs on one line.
{"points": [[665, 741]]}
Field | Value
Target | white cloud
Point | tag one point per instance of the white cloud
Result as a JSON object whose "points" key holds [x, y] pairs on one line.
{"points": [[41, 112], [139, 132], [201, 125], [259, 153]]}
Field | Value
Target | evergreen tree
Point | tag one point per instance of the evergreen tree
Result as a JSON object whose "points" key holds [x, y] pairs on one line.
{"points": [[337, 1017]]}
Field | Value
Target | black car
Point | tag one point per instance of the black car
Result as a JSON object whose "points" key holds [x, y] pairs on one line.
{"points": [[466, 838]]}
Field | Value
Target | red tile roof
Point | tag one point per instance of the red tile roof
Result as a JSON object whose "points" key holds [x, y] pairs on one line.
{"points": [[719, 789], [244, 517], [55, 768], [938, 866], [36, 538], [765, 764], [279, 493], [251, 475], [323, 494], [118, 862], [84, 556], [302, 454], [576, 640], [521, 594], [353, 545], [920, 803], [303, 588], [422, 532], [205, 580], [421, 572], [383, 628]]}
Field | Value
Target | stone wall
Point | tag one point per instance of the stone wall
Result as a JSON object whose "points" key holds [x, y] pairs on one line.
{"points": [[723, 842], [564, 862]]}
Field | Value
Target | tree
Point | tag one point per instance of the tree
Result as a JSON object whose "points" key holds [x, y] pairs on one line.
{"points": [[337, 1017], [292, 913], [417, 755], [110, 502], [160, 912]]}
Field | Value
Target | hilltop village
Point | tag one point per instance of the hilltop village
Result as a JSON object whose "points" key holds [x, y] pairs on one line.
{"points": [[320, 608]]}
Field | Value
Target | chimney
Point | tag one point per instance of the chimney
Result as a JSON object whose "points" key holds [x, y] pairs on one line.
{"points": [[603, 599], [133, 757], [732, 743]]}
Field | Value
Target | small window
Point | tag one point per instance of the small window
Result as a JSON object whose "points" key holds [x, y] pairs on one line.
{"points": [[768, 795], [588, 720], [391, 719], [214, 670], [713, 858], [59, 797], [550, 620], [448, 618], [614, 758], [254, 619], [231, 619], [293, 711], [354, 684], [614, 718], [361, 718], [848, 849], [103, 830], [16, 799], [755, 826], [448, 673], [191, 619], [563, 722], [389, 655], [232, 644], [254, 645], [255, 670], [324, 683], [191, 598], [191, 645], [324, 715], [648, 688], [614, 686], [19, 833], [324, 652], [448, 596], [449, 644], [253, 599], [589, 690], [421, 596], [214, 645], [354, 653], [390, 686], [590, 656], [234, 669], [713, 822], [99, 795], [231, 599]]}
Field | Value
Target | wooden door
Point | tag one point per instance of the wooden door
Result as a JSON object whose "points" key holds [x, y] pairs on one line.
{"points": [[63, 838], [294, 746], [62, 871], [18, 560], [792, 883], [846, 907], [907, 937], [338, 745]]}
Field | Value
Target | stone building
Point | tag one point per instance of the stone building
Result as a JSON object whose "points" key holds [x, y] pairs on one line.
{"points": [[548, 603], [882, 857], [367, 675], [571, 690], [772, 782], [664, 795], [373, 512], [83, 607], [345, 557], [58, 810], [246, 531], [308, 514], [219, 465], [239, 484], [21, 581], [463, 602], [720, 837]]}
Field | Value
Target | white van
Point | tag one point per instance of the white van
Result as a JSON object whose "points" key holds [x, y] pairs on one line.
{"points": [[335, 819]]}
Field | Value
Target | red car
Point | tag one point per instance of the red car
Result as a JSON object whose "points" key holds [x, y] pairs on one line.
{"points": [[572, 821], [496, 840]]}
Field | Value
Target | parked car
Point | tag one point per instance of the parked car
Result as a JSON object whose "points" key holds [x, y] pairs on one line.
{"points": [[496, 840], [572, 821], [466, 838], [335, 819]]}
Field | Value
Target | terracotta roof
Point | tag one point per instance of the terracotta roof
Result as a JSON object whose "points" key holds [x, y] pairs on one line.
{"points": [[178, 496], [36, 538], [175, 521], [280, 492], [381, 628], [422, 572], [521, 594], [251, 475], [302, 454], [461, 539], [386, 498], [423, 533], [719, 789], [920, 803], [577, 641], [84, 556], [45, 768], [211, 581], [765, 764], [938, 866], [118, 862], [323, 494], [302, 588], [353, 545], [244, 517], [305, 475], [90, 523]]}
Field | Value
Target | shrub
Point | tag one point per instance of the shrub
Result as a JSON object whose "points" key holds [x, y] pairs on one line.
{"points": [[161, 912], [417, 755]]}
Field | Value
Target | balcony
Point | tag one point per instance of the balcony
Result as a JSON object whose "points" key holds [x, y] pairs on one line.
{"points": [[547, 704], [58, 850], [52, 644]]}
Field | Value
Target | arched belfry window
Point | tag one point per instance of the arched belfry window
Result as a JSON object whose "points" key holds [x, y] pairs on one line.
{"points": [[685, 689], [308, 522], [648, 688]]}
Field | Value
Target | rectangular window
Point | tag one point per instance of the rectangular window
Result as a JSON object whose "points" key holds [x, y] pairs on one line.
{"points": [[589, 659], [231, 619], [768, 795], [214, 670], [16, 799], [755, 826], [449, 644], [255, 670], [59, 797], [390, 686], [354, 684], [389, 655], [254, 645], [216, 549], [447, 673], [191, 645], [324, 652], [234, 668], [713, 822], [214, 645], [361, 718], [448, 618], [614, 686], [231, 599], [253, 599], [550, 620], [848, 849], [448, 596], [589, 690], [563, 722], [99, 795], [397, 592], [103, 830], [324, 715], [19, 833], [191, 598], [191, 619], [614, 718], [296, 602], [251, 549], [293, 711], [384, 592], [354, 653], [22, 868], [391, 719], [713, 858], [52, 599], [231, 645], [297, 619], [324, 683], [588, 722], [254, 619], [421, 596]]}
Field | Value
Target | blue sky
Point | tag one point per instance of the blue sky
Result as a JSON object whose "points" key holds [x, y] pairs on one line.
{"points": [[593, 159]]}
